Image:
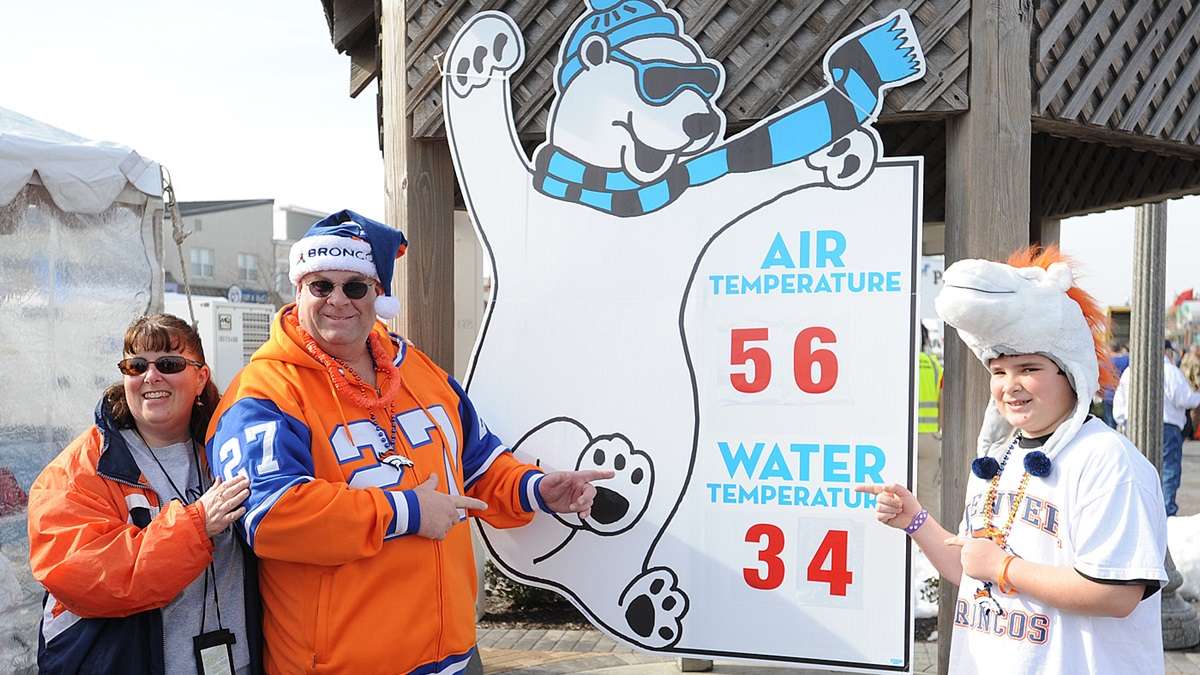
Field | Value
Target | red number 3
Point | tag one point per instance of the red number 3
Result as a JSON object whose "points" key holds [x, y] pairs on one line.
{"points": [[769, 555]]}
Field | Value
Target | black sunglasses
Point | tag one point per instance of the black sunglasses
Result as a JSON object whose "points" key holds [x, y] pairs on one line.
{"points": [[354, 290], [167, 365]]}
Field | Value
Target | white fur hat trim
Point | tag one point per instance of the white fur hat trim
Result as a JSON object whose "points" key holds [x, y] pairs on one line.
{"points": [[324, 253]]}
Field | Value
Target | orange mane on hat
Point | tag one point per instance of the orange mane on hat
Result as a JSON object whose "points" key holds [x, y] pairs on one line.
{"points": [[1097, 320]]}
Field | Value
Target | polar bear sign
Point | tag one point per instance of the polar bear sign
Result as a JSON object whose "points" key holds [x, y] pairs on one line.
{"points": [[726, 323]]}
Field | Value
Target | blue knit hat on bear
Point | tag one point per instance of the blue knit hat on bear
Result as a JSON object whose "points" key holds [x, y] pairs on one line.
{"points": [[618, 22], [346, 241]]}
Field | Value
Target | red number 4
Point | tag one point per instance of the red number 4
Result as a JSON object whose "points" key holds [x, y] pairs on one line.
{"points": [[833, 549]]}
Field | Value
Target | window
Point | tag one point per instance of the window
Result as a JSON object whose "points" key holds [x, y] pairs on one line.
{"points": [[197, 225], [247, 267], [202, 263]]}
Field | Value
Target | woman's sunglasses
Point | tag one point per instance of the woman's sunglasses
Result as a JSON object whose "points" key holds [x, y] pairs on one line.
{"points": [[167, 365], [322, 288]]}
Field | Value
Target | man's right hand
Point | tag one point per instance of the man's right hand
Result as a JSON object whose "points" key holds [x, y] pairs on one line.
{"points": [[439, 511]]}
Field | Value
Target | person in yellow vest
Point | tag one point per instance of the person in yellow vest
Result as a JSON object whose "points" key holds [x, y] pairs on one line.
{"points": [[929, 428]]}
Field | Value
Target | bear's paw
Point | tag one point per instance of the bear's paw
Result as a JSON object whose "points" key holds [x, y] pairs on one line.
{"points": [[484, 50]]}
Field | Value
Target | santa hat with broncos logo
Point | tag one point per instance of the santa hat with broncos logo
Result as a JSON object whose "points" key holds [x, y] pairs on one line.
{"points": [[348, 242]]}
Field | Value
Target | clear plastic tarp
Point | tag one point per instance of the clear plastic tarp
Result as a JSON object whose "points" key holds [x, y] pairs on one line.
{"points": [[69, 286]]}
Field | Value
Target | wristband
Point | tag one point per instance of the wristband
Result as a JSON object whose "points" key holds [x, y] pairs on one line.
{"points": [[1002, 581], [917, 521]]}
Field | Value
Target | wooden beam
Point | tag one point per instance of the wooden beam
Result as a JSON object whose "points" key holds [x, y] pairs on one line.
{"points": [[430, 234], [419, 186], [1146, 43], [987, 216], [351, 20], [780, 38], [393, 66], [1080, 45], [1158, 76], [364, 64], [834, 30], [1099, 69], [1175, 93], [1048, 36]]}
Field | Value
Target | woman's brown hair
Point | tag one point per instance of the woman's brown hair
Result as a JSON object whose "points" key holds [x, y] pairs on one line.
{"points": [[164, 333]]}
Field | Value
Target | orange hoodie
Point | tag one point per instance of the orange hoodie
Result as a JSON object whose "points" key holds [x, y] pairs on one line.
{"points": [[347, 584]]}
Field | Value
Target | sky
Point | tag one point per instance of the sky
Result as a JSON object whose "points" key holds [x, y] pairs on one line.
{"points": [[239, 100], [249, 100]]}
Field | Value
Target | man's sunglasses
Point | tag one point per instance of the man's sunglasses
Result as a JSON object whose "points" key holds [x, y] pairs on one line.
{"points": [[354, 290], [167, 365]]}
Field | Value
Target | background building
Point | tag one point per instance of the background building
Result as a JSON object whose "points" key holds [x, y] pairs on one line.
{"points": [[235, 249]]}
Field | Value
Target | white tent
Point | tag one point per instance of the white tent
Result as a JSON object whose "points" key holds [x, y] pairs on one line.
{"points": [[80, 257]]}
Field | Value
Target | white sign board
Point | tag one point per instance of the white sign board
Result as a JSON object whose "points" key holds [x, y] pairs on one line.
{"points": [[726, 323]]}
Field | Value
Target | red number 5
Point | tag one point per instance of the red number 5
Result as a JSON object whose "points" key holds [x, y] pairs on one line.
{"points": [[739, 353], [769, 555]]}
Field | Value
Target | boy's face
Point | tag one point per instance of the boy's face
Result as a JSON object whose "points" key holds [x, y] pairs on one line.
{"points": [[1031, 393]]}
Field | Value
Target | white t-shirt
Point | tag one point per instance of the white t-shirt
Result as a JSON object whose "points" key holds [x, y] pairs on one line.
{"points": [[1099, 511]]}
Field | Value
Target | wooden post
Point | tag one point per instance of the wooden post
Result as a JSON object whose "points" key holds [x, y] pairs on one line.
{"points": [[419, 185], [1146, 339], [987, 215], [1180, 627]]}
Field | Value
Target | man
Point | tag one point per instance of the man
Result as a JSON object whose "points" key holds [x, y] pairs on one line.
{"points": [[1190, 366], [929, 429], [1119, 361], [364, 459], [1178, 398]]}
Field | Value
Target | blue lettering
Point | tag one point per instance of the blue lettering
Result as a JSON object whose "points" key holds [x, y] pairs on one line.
{"points": [[874, 282], [733, 460], [831, 244], [864, 470], [806, 451], [835, 470], [893, 282], [776, 466], [777, 255]]}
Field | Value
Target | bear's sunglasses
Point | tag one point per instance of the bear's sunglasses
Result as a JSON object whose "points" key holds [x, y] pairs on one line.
{"points": [[660, 81], [355, 290], [167, 365]]}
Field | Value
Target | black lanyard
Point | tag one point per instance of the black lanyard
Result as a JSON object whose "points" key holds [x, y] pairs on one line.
{"points": [[210, 570]]}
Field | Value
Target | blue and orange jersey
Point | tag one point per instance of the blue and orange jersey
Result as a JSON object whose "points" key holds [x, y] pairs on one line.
{"points": [[348, 585]]}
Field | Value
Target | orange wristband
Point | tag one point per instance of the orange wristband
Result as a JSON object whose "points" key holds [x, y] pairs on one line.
{"points": [[1002, 581]]}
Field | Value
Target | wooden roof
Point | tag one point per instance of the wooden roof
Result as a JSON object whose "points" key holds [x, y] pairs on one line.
{"points": [[1127, 68], [1115, 83]]}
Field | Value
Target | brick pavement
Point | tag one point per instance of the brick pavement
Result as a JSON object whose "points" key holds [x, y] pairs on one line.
{"points": [[522, 651]]}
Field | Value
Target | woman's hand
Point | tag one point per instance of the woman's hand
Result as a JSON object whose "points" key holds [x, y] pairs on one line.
{"points": [[896, 506], [222, 503]]}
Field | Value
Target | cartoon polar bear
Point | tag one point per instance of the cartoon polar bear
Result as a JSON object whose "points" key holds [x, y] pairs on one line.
{"points": [[634, 169]]}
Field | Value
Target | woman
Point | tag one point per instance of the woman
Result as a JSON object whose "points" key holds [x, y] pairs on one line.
{"points": [[1060, 552], [130, 537]]}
